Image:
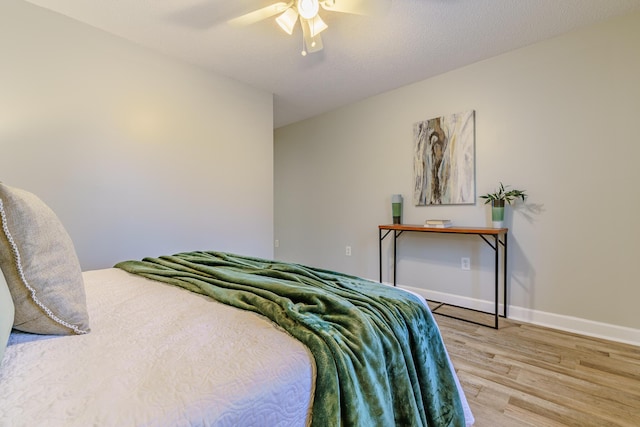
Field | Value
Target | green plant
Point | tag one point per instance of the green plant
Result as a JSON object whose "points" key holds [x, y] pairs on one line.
{"points": [[502, 193]]}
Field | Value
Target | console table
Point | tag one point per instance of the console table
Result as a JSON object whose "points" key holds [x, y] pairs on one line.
{"points": [[490, 235]]}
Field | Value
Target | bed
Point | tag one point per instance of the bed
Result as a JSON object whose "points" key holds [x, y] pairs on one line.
{"points": [[210, 339]]}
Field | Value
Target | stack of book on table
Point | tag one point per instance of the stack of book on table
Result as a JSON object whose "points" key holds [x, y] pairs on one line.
{"points": [[438, 223]]}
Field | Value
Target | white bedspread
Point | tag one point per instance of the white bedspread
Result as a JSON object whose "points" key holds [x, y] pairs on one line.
{"points": [[157, 356]]}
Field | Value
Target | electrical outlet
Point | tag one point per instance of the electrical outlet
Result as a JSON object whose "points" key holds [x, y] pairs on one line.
{"points": [[465, 263], [347, 251], [276, 243]]}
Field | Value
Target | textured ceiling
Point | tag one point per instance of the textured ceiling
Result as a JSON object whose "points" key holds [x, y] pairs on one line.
{"points": [[362, 56]]}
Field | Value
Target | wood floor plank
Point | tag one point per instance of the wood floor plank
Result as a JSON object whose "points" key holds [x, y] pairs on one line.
{"points": [[561, 415], [529, 417], [569, 382], [527, 375]]}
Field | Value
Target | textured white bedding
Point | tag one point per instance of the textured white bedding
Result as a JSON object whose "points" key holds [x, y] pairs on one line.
{"points": [[157, 356]]}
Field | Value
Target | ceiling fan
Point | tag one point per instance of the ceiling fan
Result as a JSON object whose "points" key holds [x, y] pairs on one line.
{"points": [[308, 11]]}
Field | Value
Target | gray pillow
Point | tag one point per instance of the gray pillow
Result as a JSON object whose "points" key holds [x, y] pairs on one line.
{"points": [[41, 267], [6, 314]]}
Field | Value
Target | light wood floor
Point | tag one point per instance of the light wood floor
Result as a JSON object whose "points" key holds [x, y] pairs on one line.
{"points": [[527, 375]]}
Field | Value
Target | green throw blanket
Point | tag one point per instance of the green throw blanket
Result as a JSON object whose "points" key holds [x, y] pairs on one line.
{"points": [[379, 356]]}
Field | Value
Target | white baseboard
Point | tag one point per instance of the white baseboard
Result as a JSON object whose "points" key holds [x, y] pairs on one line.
{"points": [[551, 320]]}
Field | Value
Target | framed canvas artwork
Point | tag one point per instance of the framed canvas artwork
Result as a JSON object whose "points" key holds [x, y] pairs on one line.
{"points": [[444, 160]]}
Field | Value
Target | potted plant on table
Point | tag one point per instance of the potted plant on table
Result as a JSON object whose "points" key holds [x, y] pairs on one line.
{"points": [[498, 199]]}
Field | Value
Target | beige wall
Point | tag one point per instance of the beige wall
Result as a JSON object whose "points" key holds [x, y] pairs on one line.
{"points": [[138, 154], [558, 118]]}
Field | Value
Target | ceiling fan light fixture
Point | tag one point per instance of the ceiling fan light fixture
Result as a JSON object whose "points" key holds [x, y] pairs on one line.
{"points": [[311, 23], [308, 9], [287, 20]]}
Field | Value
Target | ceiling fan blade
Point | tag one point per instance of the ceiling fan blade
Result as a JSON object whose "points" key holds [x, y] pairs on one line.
{"points": [[207, 13], [358, 7], [260, 14]]}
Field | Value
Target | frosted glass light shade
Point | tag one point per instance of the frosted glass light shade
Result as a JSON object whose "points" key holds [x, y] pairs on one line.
{"points": [[287, 20], [317, 25]]}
